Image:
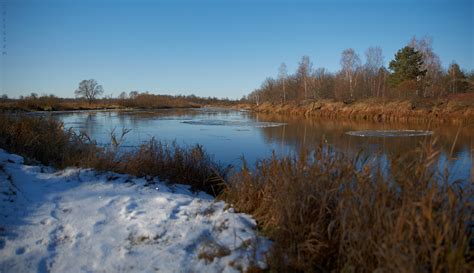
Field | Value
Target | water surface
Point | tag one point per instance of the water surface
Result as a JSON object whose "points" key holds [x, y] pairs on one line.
{"points": [[230, 134]]}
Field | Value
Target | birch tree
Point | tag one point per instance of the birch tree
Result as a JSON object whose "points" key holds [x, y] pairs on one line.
{"points": [[374, 61], [283, 75], [350, 62], [457, 79], [319, 75], [303, 73], [431, 63]]}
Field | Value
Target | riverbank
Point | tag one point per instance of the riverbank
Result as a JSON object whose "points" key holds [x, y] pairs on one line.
{"points": [[15, 106], [77, 220], [455, 110]]}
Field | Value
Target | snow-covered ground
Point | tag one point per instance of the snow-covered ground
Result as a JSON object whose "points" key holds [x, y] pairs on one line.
{"points": [[79, 220]]}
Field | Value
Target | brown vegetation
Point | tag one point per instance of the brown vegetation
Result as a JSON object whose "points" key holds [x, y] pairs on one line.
{"points": [[326, 214], [135, 100], [191, 166], [46, 140], [456, 109], [52, 103]]}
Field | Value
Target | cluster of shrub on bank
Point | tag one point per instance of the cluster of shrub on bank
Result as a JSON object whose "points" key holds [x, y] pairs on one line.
{"points": [[136, 100], [323, 210]]}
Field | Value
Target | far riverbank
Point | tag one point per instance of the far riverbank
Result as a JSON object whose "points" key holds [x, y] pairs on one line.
{"points": [[459, 110]]}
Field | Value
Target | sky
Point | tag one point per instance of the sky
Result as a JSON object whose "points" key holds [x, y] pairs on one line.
{"points": [[209, 48]]}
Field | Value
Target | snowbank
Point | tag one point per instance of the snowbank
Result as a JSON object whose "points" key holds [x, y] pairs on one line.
{"points": [[79, 220]]}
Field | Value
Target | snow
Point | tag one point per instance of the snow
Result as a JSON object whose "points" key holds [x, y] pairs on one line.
{"points": [[80, 220]]}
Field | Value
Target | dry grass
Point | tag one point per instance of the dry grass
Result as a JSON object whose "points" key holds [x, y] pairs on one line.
{"points": [[419, 110], [191, 166], [46, 140], [139, 101], [326, 215]]}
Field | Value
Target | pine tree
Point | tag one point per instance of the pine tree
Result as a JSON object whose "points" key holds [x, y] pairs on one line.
{"points": [[407, 66]]}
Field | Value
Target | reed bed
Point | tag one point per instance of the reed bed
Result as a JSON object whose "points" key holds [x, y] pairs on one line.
{"points": [[46, 141], [378, 110], [327, 213], [169, 162]]}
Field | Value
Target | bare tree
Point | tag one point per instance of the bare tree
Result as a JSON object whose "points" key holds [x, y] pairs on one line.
{"points": [[255, 96], [374, 61], [89, 89], [431, 62], [304, 71], [282, 75], [319, 75], [133, 94], [350, 62], [457, 80], [123, 95]]}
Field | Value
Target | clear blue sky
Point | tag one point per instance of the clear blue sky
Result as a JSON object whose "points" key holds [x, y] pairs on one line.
{"points": [[209, 48]]}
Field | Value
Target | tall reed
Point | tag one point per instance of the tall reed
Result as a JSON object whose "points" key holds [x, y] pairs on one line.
{"points": [[326, 213], [47, 141], [170, 162]]}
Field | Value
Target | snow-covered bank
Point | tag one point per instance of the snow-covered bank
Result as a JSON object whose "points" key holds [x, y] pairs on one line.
{"points": [[79, 220]]}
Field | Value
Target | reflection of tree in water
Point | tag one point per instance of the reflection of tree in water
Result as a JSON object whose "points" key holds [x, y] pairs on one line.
{"points": [[173, 114], [310, 133], [296, 133], [90, 123]]}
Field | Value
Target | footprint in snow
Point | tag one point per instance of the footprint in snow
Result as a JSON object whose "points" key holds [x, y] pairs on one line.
{"points": [[20, 250], [178, 209]]}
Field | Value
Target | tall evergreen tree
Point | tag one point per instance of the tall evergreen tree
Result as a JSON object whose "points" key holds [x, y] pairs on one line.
{"points": [[406, 66]]}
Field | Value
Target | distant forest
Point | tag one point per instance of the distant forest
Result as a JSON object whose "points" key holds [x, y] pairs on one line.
{"points": [[415, 72]]}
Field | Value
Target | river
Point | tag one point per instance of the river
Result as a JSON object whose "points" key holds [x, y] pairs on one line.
{"points": [[229, 135]]}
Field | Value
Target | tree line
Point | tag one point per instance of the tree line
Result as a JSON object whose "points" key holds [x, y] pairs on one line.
{"points": [[415, 72], [89, 96]]}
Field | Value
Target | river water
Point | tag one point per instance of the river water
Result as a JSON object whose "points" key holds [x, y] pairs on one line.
{"points": [[229, 135]]}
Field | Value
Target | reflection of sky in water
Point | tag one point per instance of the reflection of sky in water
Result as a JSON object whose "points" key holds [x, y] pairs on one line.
{"points": [[229, 134], [238, 123]]}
